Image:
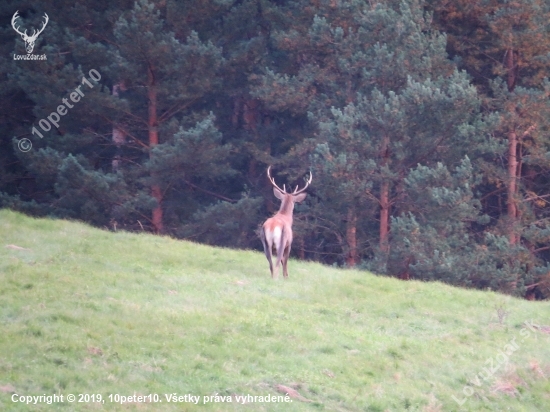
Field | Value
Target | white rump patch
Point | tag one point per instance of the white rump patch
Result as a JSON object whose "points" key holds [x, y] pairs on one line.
{"points": [[275, 237]]}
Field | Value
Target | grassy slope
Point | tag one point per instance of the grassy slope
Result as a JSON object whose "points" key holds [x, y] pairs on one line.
{"points": [[88, 311]]}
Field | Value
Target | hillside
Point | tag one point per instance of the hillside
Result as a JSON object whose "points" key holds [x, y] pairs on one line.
{"points": [[86, 311]]}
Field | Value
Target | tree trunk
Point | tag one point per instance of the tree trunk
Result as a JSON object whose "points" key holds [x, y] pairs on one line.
{"points": [[118, 136], [385, 200], [511, 68], [301, 248], [512, 209], [153, 141], [384, 217], [351, 238]]}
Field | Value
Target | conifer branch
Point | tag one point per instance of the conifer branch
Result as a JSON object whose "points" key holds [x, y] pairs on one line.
{"points": [[194, 186]]}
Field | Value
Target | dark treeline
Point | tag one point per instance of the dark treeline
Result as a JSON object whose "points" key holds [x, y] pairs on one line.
{"points": [[426, 126]]}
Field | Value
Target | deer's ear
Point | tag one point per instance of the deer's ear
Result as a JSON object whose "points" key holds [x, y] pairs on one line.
{"points": [[278, 194], [300, 198]]}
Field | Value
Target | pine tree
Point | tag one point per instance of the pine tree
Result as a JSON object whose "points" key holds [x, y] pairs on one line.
{"points": [[45, 84], [439, 239], [163, 75], [505, 46], [378, 83], [151, 83]]}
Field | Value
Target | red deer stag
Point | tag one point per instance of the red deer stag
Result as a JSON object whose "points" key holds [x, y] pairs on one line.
{"points": [[276, 232]]}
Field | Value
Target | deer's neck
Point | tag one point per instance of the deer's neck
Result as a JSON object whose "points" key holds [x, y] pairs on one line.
{"points": [[287, 207]]}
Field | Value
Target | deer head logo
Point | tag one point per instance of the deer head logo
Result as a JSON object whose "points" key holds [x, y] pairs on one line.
{"points": [[29, 40]]}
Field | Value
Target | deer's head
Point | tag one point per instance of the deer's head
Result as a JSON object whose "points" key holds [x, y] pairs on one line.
{"points": [[288, 198]]}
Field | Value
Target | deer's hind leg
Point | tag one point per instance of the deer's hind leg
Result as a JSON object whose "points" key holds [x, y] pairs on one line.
{"points": [[286, 255], [268, 246], [280, 248]]}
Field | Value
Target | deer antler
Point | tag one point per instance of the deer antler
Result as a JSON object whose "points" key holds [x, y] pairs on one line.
{"points": [[273, 181], [296, 191], [308, 182]]}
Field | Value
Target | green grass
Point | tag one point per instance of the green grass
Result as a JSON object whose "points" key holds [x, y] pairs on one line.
{"points": [[90, 311]]}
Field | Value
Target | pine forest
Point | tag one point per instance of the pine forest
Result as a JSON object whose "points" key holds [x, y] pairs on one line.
{"points": [[425, 125]]}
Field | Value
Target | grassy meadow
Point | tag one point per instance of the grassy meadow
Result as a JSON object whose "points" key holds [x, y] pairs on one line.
{"points": [[87, 311]]}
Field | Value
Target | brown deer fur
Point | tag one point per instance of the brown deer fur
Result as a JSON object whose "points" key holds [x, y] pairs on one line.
{"points": [[276, 232]]}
